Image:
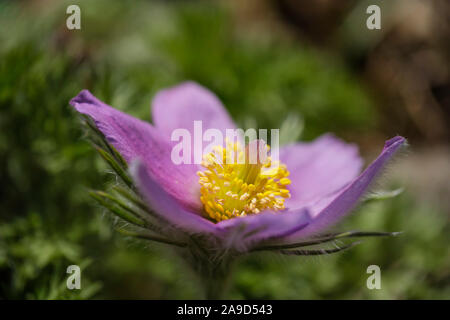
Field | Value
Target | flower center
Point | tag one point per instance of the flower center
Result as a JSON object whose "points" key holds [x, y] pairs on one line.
{"points": [[238, 182]]}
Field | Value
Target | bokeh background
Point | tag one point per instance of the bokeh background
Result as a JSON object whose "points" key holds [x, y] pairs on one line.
{"points": [[307, 67]]}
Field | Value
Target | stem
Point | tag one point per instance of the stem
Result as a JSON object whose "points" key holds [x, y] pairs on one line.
{"points": [[216, 285], [212, 269]]}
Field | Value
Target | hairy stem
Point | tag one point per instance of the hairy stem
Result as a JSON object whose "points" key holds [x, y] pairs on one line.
{"points": [[213, 269]]}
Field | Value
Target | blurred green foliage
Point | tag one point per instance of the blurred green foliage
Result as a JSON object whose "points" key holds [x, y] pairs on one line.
{"points": [[124, 54]]}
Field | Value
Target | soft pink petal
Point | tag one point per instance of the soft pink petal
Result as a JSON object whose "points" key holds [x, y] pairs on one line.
{"points": [[330, 209], [319, 168], [252, 229], [134, 139], [166, 207], [179, 106]]}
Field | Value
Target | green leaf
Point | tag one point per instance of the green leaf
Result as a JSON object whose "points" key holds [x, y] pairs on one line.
{"points": [[131, 196], [151, 237], [383, 195], [317, 252], [328, 238], [104, 143], [116, 167], [120, 203], [291, 129], [124, 214]]}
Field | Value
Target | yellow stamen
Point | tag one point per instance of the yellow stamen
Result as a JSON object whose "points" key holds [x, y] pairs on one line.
{"points": [[240, 187]]}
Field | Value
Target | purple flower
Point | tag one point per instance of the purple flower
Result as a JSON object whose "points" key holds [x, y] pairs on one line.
{"points": [[208, 204]]}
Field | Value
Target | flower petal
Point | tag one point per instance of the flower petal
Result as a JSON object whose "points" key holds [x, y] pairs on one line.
{"points": [[252, 229], [166, 207], [332, 208], [135, 138], [178, 107], [319, 168]]}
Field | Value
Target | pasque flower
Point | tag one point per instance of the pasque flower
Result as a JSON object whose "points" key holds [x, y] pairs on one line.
{"points": [[215, 211]]}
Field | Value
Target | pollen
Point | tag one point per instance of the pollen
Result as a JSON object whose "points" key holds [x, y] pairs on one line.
{"points": [[237, 182]]}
